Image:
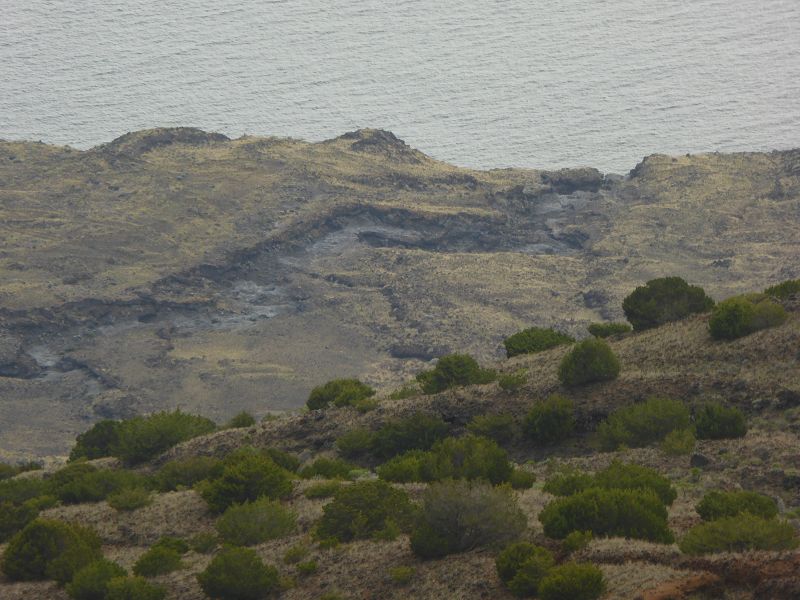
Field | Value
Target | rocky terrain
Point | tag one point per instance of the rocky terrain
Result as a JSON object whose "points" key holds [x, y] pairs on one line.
{"points": [[177, 268]]}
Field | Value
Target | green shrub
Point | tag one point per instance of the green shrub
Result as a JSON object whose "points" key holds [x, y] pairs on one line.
{"points": [[679, 442], [417, 432], [322, 490], [589, 361], [83, 483], [246, 476], [129, 499], [134, 588], [97, 442], [522, 480], [409, 390], [143, 438], [739, 534], [185, 472], [91, 582], [355, 443], [363, 509], [47, 549], [17, 491], [642, 424], [576, 540], [242, 419], [534, 339], [742, 315], [14, 517], [572, 581], [339, 392], [7, 471], [717, 505], [328, 468], [255, 522], [295, 554], [521, 566], [604, 330], [468, 457], [158, 560], [513, 381], [637, 513], [458, 516], [500, 428], [623, 476], [663, 300], [283, 459], [307, 568], [402, 575], [715, 422], [784, 290], [568, 482], [454, 370], [203, 543], [551, 421], [239, 574]]}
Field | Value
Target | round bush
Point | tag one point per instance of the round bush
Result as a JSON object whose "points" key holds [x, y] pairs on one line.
{"points": [[589, 361], [642, 424], [454, 370], [417, 432], [97, 442], [784, 290], [679, 442], [743, 315], [184, 473], [715, 422], [329, 468], [255, 522], [501, 428], [247, 475], [522, 566], [143, 438], [739, 534], [551, 421], [364, 509], [510, 560], [47, 549], [623, 476], [663, 300], [339, 392], [238, 574], [134, 588], [91, 582], [717, 505], [534, 339], [158, 560], [572, 581], [130, 499], [242, 419]]}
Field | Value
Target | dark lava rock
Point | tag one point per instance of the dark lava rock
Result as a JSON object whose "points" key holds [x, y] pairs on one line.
{"points": [[568, 181], [699, 460], [140, 142]]}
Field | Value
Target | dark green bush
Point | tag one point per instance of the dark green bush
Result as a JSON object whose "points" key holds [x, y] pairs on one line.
{"points": [[604, 330], [47, 549], [417, 432], [642, 424], [742, 315], [82, 483], [255, 522], [7, 471], [295, 554], [572, 581], [91, 582], [242, 419], [325, 489], [203, 543], [784, 290], [534, 339], [246, 476], [458, 516], [522, 480], [239, 574], [715, 422], [663, 300], [589, 361], [717, 505], [143, 438], [185, 472], [739, 534], [17, 491], [178, 545], [364, 509], [134, 588], [617, 475], [568, 482], [97, 442], [356, 443], [14, 517], [328, 468], [468, 457], [454, 370], [613, 512], [339, 392], [500, 428], [575, 541], [551, 421], [283, 459], [679, 442], [129, 498], [521, 566], [158, 560]]}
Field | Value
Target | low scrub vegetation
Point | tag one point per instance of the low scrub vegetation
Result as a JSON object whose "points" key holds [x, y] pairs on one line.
{"points": [[589, 361], [501, 428], [679, 442], [328, 468], [239, 574], [91, 582], [417, 432], [457, 516], [186, 472], [534, 339], [714, 421], [551, 421], [573, 581], [604, 330], [740, 533], [784, 290], [134, 588], [742, 315], [242, 419], [521, 566], [643, 424], [255, 522], [454, 370], [143, 438], [339, 392], [158, 560], [718, 505], [663, 300], [130, 498]]}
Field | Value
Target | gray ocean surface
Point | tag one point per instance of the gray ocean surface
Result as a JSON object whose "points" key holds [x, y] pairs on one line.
{"points": [[478, 83]]}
